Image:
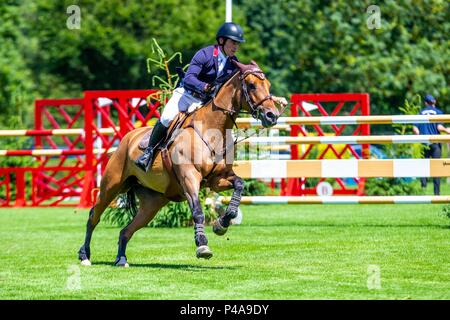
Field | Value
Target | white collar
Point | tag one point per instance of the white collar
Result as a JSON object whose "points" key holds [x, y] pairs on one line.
{"points": [[222, 56]]}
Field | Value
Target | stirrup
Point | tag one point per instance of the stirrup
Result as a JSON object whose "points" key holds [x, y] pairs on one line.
{"points": [[145, 161]]}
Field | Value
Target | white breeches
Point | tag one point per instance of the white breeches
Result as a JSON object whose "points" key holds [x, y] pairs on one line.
{"points": [[181, 101]]}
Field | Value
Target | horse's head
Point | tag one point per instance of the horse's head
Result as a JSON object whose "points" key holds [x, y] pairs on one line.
{"points": [[248, 88], [257, 98]]}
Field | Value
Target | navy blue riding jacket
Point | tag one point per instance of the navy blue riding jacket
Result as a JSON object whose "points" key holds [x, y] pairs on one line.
{"points": [[203, 69]]}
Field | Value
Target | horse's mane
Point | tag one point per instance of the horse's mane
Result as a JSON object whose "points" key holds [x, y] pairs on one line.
{"points": [[224, 81], [241, 69], [221, 82], [219, 85]]}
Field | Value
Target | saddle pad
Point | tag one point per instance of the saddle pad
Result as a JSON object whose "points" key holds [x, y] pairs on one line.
{"points": [[194, 106], [146, 138]]}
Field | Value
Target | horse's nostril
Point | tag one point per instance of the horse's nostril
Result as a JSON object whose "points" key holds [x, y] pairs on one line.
{"points": [[270, 115]]}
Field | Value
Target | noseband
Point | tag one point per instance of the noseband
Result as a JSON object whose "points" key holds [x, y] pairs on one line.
{"points": [[254, 107]]}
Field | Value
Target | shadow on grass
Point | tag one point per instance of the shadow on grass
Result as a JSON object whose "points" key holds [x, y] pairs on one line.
{"points": [[190, 267]]}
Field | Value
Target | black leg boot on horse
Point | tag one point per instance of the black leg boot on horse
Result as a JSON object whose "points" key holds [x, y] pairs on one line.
{"points": [[220, 226], [158, 133]]}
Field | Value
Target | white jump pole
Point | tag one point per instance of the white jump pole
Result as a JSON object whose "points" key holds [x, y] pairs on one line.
{"points": [[228, 10], [339, 200]]}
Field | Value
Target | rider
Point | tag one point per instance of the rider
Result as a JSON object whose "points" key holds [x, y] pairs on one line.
{"points": [[208, 66]]}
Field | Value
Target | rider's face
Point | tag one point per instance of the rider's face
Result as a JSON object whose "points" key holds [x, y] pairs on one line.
{"points": [[230, 47]]}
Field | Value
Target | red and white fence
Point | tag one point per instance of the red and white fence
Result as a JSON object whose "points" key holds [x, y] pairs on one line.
{"points": [[72, 139]]}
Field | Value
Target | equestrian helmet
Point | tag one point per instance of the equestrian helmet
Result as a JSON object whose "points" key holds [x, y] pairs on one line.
{"points": [[231, 31]]}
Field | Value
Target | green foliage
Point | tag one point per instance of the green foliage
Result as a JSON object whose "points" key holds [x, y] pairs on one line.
{"points": [[173, 215], [326, 46], [254, 187], [110, 49], [392, 187], [178, 214], [408, 108], [162, 76], [446, 211], [398, 186], [16, 144], [404, 150], [117, 215], [303, 45], [16, 88]]}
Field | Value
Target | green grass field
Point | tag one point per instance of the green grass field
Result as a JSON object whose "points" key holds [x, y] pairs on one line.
{"points": [[279, 252]]}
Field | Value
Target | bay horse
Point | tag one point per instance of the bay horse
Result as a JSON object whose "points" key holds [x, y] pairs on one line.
{"points": [[169, 180]]}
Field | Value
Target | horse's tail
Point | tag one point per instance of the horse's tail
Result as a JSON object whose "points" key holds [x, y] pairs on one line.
{"points": [[130, 202]]}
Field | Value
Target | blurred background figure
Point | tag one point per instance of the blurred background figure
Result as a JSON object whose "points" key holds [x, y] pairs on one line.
{"points": [[432, 150]]}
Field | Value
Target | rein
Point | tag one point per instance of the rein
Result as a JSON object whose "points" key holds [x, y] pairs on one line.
{"points": [[255, 109]]}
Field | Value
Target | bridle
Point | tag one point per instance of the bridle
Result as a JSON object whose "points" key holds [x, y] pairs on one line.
{"points": [[254, 107], [254, 110]]}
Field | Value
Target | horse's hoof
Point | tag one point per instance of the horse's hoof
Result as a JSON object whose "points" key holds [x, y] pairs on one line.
{"points": [[84, 254], [86, 262], [121, 262], [218, 228], [204, 252]]}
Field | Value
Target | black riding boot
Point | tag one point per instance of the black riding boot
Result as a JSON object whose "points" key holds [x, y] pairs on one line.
{"points": [[158, 133]]}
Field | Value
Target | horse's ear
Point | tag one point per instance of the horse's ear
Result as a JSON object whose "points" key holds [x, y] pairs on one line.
{"points": [[255, 64], [241, 66], [246, 67]]}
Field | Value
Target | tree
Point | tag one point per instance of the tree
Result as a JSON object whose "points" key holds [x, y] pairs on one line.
{"points": [[109, 51], [16, 87], [302, 45], [326, 46]]}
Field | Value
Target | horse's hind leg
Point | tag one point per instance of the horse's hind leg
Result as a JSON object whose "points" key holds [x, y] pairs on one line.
{"points": [[149, 203], [84, 254], [110, 186]]}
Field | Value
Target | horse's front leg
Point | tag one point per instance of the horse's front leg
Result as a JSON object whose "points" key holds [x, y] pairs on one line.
{"points": [[220, 226], [191, 184]]}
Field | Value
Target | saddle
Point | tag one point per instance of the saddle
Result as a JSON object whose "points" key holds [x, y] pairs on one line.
{"points": [[176, 124], [164, 145], [180, 119]]}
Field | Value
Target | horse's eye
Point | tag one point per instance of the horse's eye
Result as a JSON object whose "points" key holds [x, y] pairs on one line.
{"points": [[251, 86]]}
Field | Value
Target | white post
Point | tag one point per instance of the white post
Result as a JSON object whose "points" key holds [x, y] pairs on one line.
{"points": [[229, 11], [99, 147], [102, 102]]}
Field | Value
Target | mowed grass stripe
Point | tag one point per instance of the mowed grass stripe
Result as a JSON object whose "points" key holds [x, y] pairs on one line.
{"points": [[279, 252]]}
